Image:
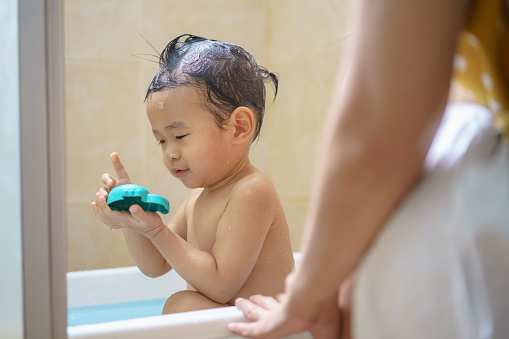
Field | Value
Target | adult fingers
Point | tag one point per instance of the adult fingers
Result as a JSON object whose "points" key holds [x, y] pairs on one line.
{"points": [[252, 311], [266, 324], [263, 301], [281, 297], [247, 330], [123, 176]]}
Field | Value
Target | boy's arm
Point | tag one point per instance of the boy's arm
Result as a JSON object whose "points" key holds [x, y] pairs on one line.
{"points": [[145, 255], [239, 239]]}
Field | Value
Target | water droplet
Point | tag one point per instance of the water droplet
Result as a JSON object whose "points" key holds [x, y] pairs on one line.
{"points": [[270, 258], [229, 228]]}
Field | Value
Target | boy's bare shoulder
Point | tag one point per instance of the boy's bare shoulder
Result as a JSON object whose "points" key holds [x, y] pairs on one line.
{"points": [[255, 186]]}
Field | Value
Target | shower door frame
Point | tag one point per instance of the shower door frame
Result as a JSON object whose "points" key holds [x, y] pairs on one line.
{"points": [[43, 176]]}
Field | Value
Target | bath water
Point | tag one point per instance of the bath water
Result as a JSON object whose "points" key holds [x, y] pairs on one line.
{"points": [[95, 314]]}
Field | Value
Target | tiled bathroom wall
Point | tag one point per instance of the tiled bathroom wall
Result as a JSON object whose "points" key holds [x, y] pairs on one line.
{"points": [[305, 44], [109, 64]]}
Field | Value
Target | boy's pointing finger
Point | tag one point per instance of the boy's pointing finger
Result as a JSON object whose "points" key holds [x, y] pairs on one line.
{"points": [[122, 174]]}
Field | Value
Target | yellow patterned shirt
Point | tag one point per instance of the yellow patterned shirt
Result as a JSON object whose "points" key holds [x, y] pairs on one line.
{"points": [[481, 63]]}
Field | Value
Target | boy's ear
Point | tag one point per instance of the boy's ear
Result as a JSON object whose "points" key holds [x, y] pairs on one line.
{"points": [[243, 124]]}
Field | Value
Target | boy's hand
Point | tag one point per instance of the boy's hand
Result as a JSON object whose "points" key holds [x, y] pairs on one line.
{"points": [[147, 223], [123, 176]]}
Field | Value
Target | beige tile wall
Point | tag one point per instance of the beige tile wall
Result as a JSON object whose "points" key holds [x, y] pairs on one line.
{"points": [[305, 40], [106, 79]]}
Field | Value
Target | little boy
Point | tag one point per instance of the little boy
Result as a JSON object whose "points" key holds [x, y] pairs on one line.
{"points": [[230, 237]]}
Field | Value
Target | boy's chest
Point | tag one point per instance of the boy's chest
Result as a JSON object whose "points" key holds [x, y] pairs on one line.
{"points": [[203, 221]]}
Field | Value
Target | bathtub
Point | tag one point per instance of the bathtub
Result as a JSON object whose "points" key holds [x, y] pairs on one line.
{"points": [[100, 289]]}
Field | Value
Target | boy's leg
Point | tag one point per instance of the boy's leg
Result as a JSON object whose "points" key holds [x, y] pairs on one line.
{"points": [[185, 301]]}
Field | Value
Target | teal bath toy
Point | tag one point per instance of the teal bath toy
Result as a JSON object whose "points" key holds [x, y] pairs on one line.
{"points": [[122, 197]]}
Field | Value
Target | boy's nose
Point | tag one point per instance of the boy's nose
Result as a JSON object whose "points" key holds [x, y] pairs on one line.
{"points": [[174, 156]]}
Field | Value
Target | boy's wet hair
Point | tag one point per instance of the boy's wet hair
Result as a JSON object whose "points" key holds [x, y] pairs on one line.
{"points": [[228, 75]]}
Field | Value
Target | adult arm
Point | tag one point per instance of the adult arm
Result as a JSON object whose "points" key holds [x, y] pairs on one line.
{"points": [[380, 128]]}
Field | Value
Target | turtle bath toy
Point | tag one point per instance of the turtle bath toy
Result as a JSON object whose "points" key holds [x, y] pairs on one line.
{"points": [[122, 197]]}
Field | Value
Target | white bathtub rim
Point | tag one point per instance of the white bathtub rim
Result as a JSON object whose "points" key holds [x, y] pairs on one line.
{"points": [[205, 324], [191, 325]]}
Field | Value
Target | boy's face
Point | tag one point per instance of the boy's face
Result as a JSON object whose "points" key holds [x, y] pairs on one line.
{"points": [[195, 150]]}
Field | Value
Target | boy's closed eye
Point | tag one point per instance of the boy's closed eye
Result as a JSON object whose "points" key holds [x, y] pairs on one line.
{"points": [[180, 137]]}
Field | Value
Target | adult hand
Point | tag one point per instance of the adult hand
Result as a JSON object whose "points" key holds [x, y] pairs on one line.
{"points": [[273, 318]]}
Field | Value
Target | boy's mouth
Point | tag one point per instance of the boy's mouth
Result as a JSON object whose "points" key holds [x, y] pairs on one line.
{"points": [[179, 173]]}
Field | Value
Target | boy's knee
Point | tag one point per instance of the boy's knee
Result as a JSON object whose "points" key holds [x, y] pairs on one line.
{"points": [[176, 301], [186, 301]]}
